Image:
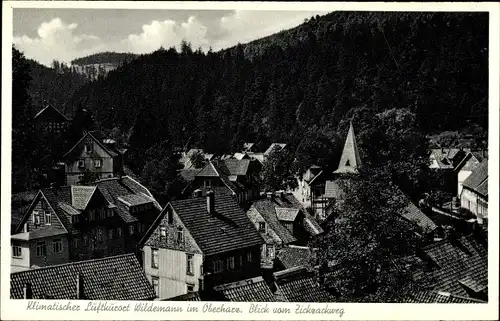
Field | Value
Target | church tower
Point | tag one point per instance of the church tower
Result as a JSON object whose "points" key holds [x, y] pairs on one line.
{"points": [[349, 161]]}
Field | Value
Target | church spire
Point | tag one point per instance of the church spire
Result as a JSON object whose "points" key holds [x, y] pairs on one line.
{"points": [[349, 161]]}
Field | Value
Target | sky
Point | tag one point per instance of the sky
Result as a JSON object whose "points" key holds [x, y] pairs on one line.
{"points": [[66, 34]]}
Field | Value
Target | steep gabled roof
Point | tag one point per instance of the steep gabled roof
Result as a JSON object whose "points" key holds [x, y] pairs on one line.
{"points": [[51, 109], [415, 215], [237, 167], [250, 290], [113, 278], [350, 160], [423, 296], [99, 142], [81, 195], [208, 171], [227, 230], [478, 180]]}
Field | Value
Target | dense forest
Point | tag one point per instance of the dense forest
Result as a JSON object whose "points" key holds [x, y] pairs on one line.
{"points": [[399, 77]]}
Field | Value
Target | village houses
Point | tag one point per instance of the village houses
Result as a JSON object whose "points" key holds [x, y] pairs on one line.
{"points": [[198, 243], [93, 153], [74, 223], [50, 120]]}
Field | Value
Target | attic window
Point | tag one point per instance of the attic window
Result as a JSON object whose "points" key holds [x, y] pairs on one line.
{"points": [[36, 217], [180, 235], [97, 163], [81, 163], [170, 216], [163, 233], [48, 217], [88, 145]]}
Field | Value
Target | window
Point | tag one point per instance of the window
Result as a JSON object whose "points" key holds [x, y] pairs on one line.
{"points": [[111, 213], [154, 258], [218, 266], [270, 251], [85, 239], [249, 257], [36, 217], [230, 262], [207, 183], [190, 287], [88, 146], [102, 213], [48, 217], [170, 215], [156, 284], [57, 245], [189, 264], [180, 235], [110, 234], [41, 249], [92, 215], [17, 251], [76, 243], [97, 163], [119, 232], [81, 163], [131, 229], [163, 233], [262, 227], [100, 235]]}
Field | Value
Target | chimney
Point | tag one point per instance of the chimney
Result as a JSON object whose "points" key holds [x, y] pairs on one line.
{"points": [[281, 194], [79, 287], [210, 203], [197, 193], [28, 291], [269, 195]]}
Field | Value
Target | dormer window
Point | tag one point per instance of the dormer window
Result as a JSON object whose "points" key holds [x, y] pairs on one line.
{"points": [[81, 163], [48, 217], [97, 163]]}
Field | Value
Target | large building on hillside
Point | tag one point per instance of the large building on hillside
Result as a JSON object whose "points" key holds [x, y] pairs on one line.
{"points": [[198, 243], [95, 154], [74, 223], [50, 120]]}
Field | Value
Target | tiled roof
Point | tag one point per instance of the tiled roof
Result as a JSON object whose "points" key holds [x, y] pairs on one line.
{"points": [[477, 181], [332, 189], [80, 196], [287, 214], [278, 146], [229, 229], [192, 296], [57, 196], [237, 167], [349, 160], [295, 256], [299, 285], [441, 159], [135, 199], [267, 208], [114, 188], [460, 264], [415, 215], [98, 137], [250, 290], [257, 156], [20, 202], [208, 171], [438, 297], [113, 278]]}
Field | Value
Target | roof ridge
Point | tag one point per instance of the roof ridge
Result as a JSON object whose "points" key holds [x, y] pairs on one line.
{"points": [[75, 263], [239, 283]]}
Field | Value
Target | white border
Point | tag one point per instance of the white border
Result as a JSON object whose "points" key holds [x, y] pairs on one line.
{"points": [[16, 309]]}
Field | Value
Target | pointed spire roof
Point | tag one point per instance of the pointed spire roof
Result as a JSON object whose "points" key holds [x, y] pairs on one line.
{"points": [[349, 161]]}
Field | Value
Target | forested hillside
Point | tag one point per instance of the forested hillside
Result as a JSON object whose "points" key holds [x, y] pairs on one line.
{"points": [[303, 83], [104, 58]]}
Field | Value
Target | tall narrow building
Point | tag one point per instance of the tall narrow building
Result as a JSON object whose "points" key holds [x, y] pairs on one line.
{"points": [[350, 160]]}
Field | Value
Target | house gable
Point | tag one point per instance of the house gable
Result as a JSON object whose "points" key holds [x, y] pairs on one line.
{"points": [[154, 238], [40, 204], [79, 149], [270, 236]]}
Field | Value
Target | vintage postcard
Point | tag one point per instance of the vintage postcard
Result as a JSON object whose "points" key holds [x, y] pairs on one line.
{"points": [[251, 160]]}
